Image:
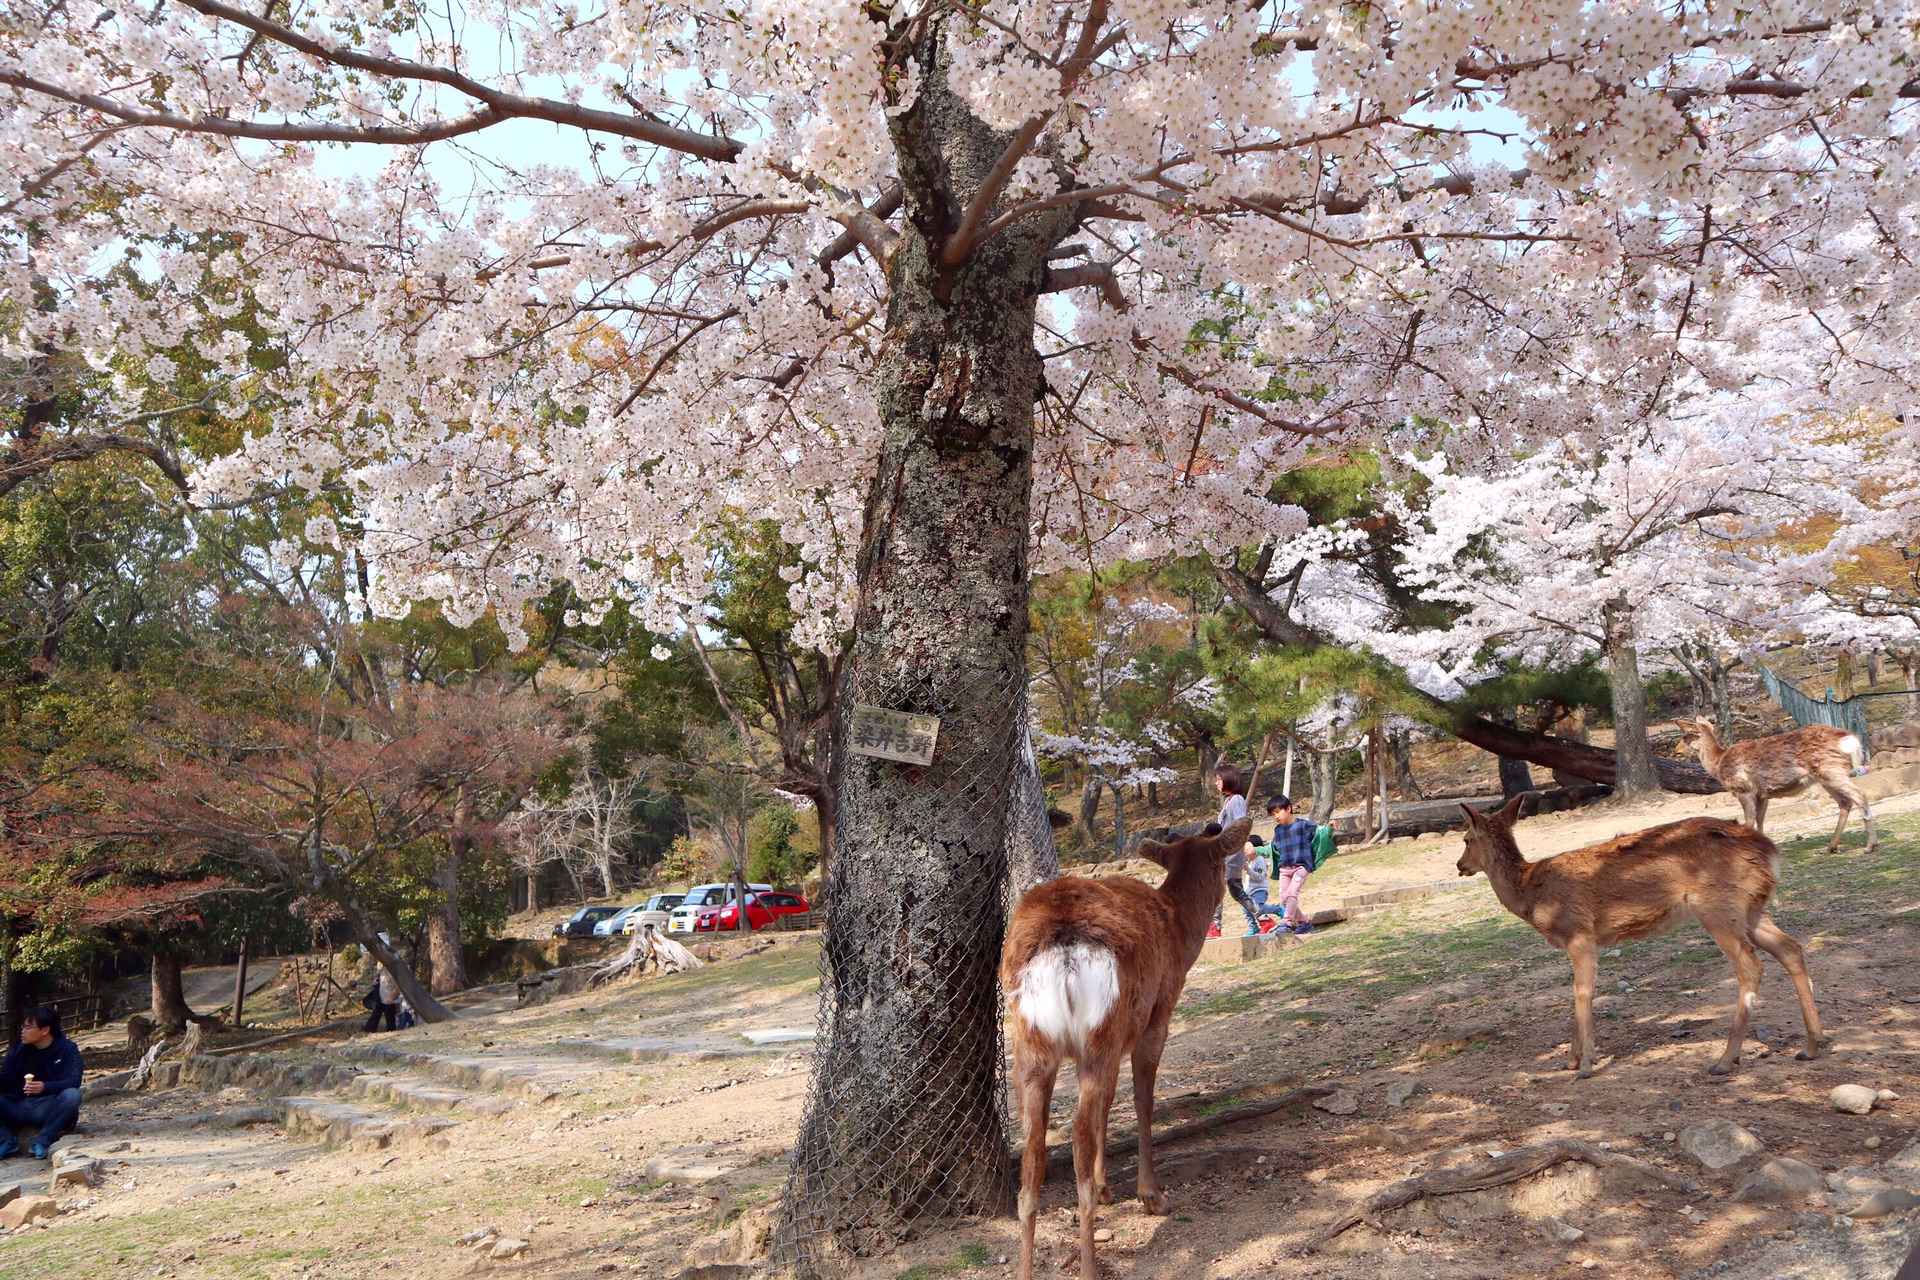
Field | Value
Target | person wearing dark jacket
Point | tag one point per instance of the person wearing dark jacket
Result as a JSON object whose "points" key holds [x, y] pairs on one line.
{"points": [[39, 1082]]}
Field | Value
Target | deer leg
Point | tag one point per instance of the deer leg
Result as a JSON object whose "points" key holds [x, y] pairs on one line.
{"points": [[1146, 1069], [1759, 822], [1097, 1082], [1854, 796], [1839, 828], [1035, 1073], [1733, 935], [1782, 946], [1585, 954]]}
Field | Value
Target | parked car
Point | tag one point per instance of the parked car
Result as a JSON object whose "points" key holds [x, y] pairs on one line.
{"points": [[762, 908], [610, 927], [703, 896], [655, 911], [580, 923]]}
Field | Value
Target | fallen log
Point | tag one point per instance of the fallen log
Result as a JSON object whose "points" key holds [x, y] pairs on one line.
{"points": [[1502, 1169]]}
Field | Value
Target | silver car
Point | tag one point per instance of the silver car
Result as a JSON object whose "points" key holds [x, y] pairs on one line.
{"points": [[701, 897], [652, 912]]}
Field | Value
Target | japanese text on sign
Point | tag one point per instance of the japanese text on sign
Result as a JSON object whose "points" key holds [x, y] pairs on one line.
{"points": [[894, 735]]}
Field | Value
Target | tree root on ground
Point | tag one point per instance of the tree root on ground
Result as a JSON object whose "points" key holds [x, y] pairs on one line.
{"points": [[1499, 1171]]}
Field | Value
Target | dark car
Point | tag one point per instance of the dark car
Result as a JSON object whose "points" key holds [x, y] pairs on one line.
{"points": [[580, 923], [761, 910]]}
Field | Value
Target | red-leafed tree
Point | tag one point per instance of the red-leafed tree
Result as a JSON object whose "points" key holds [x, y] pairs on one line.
{"points": [[285, 777]]}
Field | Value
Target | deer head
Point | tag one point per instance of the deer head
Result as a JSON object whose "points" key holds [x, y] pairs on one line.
{"points": [[1200, 850], [1696, 734], [1488, 835]]}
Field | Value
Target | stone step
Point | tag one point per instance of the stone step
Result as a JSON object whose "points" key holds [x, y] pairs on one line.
{"points": [[349, 1124], [659, 1048], [415, 1094], [535, 1076]]}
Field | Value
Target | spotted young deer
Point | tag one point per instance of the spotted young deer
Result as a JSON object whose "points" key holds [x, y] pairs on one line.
{"points": [[1641, 886], [1786, 765], [1092, 970]]}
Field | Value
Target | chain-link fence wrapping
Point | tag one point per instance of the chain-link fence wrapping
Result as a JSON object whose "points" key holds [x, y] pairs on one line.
{"points": [[1031, 856], [906, 1116]]}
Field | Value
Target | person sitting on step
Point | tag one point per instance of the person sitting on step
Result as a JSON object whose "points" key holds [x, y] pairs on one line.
{"points": [[39, 1082]]}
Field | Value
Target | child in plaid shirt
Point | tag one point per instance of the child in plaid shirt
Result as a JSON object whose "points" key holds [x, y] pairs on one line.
{"points": [[1292, 854]]}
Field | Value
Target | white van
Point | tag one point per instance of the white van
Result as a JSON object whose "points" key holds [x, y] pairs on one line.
{"points": [[700, 898]]}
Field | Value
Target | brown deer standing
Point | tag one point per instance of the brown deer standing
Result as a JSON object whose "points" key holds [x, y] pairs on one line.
{"points": [[1786, 765], [1092, 970], [1641, 886]]}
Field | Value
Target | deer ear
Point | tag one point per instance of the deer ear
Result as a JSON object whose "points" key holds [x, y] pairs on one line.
{"points": [[1511, 809], [1233, 837], [1473, 816], [1151, 850]]}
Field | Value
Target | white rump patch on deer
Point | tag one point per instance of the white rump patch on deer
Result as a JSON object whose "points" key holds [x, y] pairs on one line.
{"points": [[1066, 993], [1855, 751]]}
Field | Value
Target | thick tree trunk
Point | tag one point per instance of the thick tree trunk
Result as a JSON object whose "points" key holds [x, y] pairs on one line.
{"points": [[1089, 804], [904, 1121], [367, 933], [170, 1012], [444, 954], [1634, 772], [1324, 769], [1401, 745], [1514, 778], [1119, 822]]}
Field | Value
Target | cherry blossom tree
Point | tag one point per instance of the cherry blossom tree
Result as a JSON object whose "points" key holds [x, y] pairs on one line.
{"points": [[797, 259], [1620, 545]]}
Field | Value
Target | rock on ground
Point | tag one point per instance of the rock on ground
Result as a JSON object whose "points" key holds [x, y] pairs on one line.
{"points": [[1719, 1144], [27, 1209], [1854, 1099], [1782, 1180], [1884, 1203]]}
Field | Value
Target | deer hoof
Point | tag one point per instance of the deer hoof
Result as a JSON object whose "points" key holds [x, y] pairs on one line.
{"points": [[1106, 1195], [1719, 1069], [1583, 1073], [1153, 1202], [1807, 1055]]}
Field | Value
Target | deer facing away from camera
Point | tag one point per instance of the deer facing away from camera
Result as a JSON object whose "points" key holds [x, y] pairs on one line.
{"points": [[1092, 970], [1641, 886], [1786, 765]]}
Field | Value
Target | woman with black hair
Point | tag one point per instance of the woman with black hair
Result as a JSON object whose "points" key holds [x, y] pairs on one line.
{"points": [[1233, 807]]}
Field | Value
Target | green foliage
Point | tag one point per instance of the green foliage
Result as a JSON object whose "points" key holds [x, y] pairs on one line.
{"points": [[1554, 690], [686, 860], [780, 849]]}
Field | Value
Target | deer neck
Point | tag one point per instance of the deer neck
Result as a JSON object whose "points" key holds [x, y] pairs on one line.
{"points": [[1510, 876], [1193, 891], [1709, 750]]}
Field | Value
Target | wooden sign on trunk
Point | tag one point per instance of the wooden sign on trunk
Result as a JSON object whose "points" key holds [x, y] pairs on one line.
{"points": [[893, 735]]}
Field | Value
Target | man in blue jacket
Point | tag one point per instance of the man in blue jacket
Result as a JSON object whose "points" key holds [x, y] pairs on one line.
{"points": [[39, 1082]]}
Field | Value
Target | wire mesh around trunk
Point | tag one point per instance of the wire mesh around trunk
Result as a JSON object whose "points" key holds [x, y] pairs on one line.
{"points": [[906, 1125]]}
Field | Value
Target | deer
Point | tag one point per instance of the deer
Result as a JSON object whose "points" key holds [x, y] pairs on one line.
{"points": [[1093, 970], [1641, 886], [1786, 764]]}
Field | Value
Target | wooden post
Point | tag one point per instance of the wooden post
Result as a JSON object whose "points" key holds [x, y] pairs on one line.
{"points": [[240, 984], [1366, 782]]}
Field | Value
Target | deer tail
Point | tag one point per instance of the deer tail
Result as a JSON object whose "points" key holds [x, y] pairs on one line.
{"points": [[1065, 993], [1856, 751]]}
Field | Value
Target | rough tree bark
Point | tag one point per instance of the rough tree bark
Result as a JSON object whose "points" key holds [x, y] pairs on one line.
{"points": [[1514, 778], [1323, 767], [1634, 772], [444, 954], [903, 1120], [171, 1013]]}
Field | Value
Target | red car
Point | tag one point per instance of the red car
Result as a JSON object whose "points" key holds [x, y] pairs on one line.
{"points": [[761, 909]]}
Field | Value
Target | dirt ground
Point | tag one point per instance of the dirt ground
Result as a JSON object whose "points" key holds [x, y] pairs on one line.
{"points": [[1449, 994]]}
